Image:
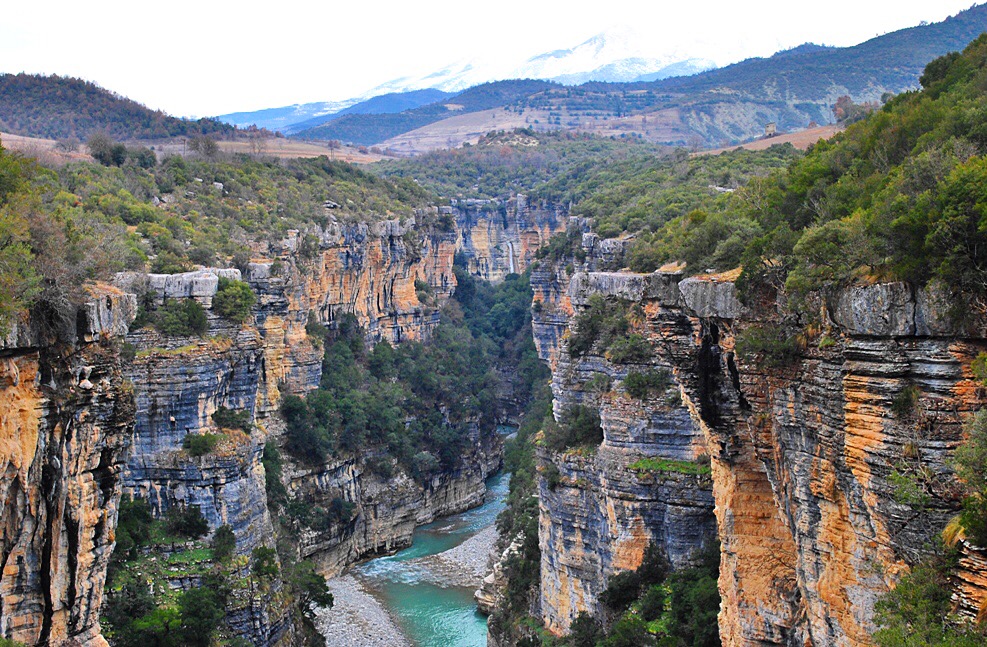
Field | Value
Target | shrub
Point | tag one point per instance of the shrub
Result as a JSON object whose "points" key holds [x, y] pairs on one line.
{"points": [[652, 604], [186, 521], [622, 589], [903, 404], [642, 385], [603, 320], [134, 525], [579, 425], [970, 463], [552, 476], [632, 349], [200, 444], [585, 631], [233, 300], [917, 611], [181, 318], [223, 543], [230, 419], [775, 347], [600, 383], [341, 511], [201, 610], [264, 562]]}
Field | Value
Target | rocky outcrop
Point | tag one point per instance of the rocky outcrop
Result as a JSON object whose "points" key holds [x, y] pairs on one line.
{"points": [[368, 270], [386, 508], [830, 454], [66, 414], [602, 508], [498, 238]]}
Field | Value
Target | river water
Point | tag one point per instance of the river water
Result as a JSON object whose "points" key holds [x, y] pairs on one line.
{"points": [[431, 613]]}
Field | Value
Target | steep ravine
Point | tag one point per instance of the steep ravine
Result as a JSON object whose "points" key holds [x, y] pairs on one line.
{"points": [[89, 419], [811, 528]]}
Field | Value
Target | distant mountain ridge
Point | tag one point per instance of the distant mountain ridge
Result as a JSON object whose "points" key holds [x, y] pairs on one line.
{"points": [[609, 56], [372, 128], [60, 107], [792, 88]]}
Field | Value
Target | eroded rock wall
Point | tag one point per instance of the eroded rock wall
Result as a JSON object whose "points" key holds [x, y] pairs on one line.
{"points": [[830, 464], [598, 515], [66, 414], [387, 508], [498, 238]]}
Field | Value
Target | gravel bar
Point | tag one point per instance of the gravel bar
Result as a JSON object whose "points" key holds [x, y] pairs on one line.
{"points": [[357, 619]]}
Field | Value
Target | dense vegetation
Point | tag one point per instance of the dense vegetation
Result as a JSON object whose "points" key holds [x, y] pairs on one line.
{"points": [[520, 161], [896, 196], [62, 228], [57, 107], [373, 128], [142, 607], [424, 404]]}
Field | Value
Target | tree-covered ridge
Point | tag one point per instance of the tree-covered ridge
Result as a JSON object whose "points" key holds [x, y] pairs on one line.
{"points": [[63, 228], [373, 128], [60, 107], [519, 161], [898, 195], [643, 194]]}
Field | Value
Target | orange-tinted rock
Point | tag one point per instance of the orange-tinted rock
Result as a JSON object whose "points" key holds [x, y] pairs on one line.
{"points": [[807, 455]]}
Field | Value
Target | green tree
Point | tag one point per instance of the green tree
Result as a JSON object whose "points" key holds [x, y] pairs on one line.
{"points": [[264, 562], [201, 611], [233, 300], [223, 543]]}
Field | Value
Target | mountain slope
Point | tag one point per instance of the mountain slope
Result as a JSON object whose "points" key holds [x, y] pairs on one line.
{"points": [[729, 105], [370, 129], [59, 107], [379, 105]]}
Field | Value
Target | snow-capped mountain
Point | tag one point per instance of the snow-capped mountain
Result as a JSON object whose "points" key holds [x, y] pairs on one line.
{"points": [[615, 55], [618, 54]]}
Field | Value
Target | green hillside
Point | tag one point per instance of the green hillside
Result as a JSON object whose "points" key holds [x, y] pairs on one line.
{"points": [[521, 161], [58, 107], [899, 195]]}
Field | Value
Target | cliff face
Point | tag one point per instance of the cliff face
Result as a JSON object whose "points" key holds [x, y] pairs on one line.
{"points": [[66, 415], [608, 505], [500, 239], [367, 270], [829, 467], [387, 509]]}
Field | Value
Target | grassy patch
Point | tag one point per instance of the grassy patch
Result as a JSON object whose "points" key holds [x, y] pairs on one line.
{"points": [[671, 465]]}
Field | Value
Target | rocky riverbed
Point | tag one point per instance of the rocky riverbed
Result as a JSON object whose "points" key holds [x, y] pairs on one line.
{"points": [[357, 619]]}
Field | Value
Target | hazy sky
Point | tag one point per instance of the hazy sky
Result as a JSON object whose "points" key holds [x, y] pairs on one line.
{"points": [[206, 57]]}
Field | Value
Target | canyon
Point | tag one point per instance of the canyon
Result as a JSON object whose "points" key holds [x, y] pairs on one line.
{"points": [[103, 411]]}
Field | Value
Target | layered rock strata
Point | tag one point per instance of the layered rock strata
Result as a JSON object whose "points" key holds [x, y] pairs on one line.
{"points": [[498, 238], [830, 453], [66, 414], [387, 509]]}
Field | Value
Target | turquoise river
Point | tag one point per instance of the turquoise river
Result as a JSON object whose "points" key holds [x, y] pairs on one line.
{"points": [[431, 615]]}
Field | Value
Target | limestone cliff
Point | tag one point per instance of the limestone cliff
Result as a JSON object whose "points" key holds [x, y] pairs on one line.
{"points": [[604, 507], [499, 238], [66, 414], [368, 270], [387, 508], [809, 450]]}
